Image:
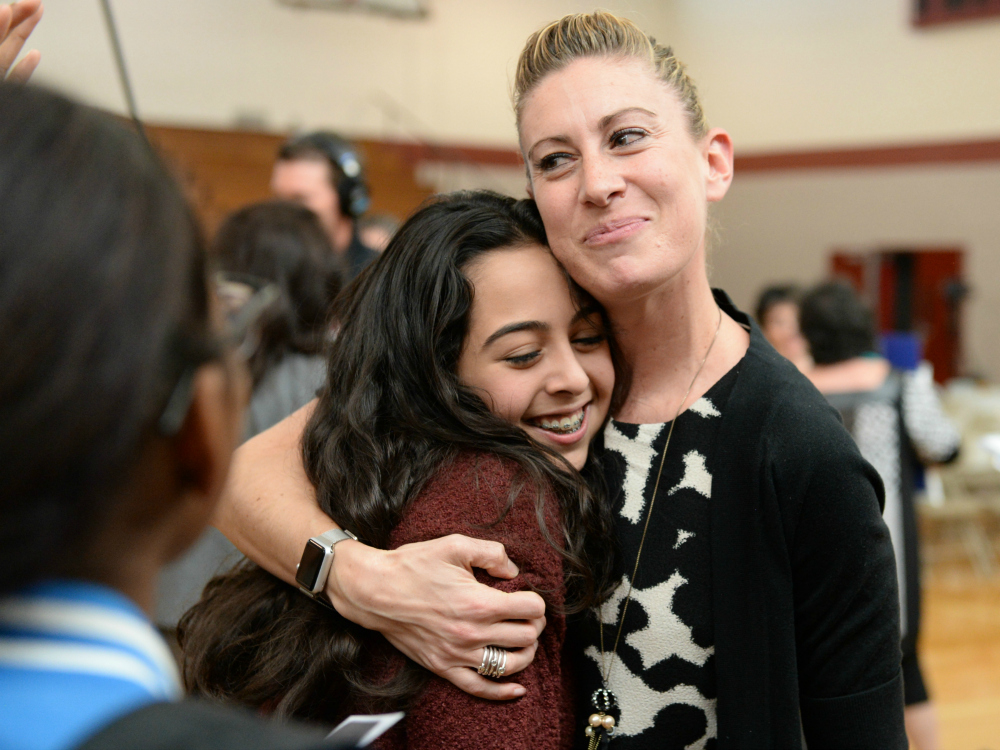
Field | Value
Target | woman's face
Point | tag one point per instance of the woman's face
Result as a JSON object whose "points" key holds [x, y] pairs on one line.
{"points": [[621, 184], [781, 327], [539, 362]]}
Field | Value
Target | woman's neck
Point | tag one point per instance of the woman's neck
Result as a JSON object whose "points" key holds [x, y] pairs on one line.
{"points": [[664, 337]]}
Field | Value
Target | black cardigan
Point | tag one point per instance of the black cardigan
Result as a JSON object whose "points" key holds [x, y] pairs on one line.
{"points": [[804, 583]]}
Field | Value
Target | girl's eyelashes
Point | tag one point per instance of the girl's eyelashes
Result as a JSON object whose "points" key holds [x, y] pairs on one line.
{"points": [[626, 137], [590, 341], [520, 360]]}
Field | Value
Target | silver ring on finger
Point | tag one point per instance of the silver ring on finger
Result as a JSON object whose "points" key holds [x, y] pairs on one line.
{"points": [[494, 662], [486, 661]]}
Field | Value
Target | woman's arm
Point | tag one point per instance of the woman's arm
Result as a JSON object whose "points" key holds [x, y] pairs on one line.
{"points": [[844, 583], [933, 435], [423, 597]]}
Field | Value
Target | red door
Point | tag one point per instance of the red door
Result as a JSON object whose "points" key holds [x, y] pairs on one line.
{"points": [[913, 289]]}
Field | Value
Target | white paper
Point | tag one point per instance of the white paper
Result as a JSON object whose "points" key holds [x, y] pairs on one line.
{"points": [[363, 729]]}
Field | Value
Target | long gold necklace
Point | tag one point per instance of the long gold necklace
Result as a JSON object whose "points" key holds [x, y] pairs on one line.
{"points": [[601, 725]]}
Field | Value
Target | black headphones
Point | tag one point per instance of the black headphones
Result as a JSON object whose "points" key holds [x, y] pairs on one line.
{"points": [[352, 190]]}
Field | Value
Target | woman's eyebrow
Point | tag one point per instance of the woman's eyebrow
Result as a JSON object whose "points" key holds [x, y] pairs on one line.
{"points": [[527, 325], [608, 119]]}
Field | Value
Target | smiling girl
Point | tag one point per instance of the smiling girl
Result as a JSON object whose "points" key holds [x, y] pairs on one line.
{"points": [[464, 389]]}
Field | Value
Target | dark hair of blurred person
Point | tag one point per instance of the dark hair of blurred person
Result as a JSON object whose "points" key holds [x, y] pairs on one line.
{"points": [[837, 324], [777, 312], [119, 411], [284, 244]]}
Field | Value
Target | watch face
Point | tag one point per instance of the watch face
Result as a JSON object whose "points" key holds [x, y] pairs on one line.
{"points": [[310, 565]]}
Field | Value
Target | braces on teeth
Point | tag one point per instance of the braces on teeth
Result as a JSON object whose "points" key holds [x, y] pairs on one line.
{"points": [[566, 424]]}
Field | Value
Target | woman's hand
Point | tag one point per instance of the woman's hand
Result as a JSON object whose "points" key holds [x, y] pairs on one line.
{"points": [[425, 600], [17, 21]]}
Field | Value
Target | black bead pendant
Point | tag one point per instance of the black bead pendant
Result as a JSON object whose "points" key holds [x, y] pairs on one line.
{"points": [[604, 700]]}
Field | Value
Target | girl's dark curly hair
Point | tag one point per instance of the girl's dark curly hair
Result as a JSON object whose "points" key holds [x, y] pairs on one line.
{"points": [[391, 413]]}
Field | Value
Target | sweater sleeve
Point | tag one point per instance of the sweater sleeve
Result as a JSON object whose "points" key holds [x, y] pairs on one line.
{"points": [[844, 583], [467, 497], [933, 435]]}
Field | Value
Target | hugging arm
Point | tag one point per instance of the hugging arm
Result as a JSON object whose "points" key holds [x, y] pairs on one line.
{"points": [[422, 597]]}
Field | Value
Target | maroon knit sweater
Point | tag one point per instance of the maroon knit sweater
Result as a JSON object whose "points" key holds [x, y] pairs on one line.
{"points": [[465, 497]]}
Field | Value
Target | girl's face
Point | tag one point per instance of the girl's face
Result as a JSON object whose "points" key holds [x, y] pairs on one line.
{"points": [[621, 184], [538, 360]]}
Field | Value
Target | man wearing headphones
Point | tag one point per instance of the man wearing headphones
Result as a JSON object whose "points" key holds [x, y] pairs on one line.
{"points": [[321, 171]]}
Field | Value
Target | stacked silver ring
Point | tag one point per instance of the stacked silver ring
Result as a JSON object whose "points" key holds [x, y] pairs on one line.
{"points": [[494, 662]]}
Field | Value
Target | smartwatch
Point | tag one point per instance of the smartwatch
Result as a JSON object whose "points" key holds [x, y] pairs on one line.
{"points": [[317, 558]]}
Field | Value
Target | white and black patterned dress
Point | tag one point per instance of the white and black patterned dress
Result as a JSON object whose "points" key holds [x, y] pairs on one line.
{"points": [[664, 673]]}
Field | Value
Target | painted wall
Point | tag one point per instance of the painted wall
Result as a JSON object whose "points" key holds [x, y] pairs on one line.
{"points": [[210, 63], [779, 74], [793, 74], [781, 227]]}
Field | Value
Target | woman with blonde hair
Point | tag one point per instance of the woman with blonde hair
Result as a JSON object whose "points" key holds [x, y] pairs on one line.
{"points": [[757, 605]]}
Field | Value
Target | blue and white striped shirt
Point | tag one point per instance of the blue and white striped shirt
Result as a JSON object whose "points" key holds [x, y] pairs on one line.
{"points": [[75, 656]]}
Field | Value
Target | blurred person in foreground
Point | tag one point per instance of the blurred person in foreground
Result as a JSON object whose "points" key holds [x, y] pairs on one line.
{"points": [[283, 244], [777, 312], [896, 419], [120, 405], [323, 172]]}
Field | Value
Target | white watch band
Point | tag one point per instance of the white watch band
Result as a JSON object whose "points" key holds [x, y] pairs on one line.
{"points": [[333, 536]]}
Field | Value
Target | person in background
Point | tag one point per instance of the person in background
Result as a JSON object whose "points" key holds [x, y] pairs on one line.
{"points": [[897, 421], [777, 313], [323, 172], [376, 230], [120, 405], [283, 244]]}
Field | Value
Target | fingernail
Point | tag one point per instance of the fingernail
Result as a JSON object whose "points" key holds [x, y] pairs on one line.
{"points": [[519, 691]]}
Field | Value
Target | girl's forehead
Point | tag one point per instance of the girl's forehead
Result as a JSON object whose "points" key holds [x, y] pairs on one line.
{"points": [[517, 281]]}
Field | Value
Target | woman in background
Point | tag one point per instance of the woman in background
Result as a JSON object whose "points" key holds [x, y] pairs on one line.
{"points": [[777, 314], [283, 244], [896, 419]]}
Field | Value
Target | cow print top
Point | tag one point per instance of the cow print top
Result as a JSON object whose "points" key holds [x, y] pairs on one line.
{"points": [[664, 672]]}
